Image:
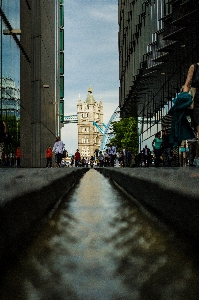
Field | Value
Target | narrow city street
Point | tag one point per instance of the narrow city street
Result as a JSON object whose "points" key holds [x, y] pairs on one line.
{"points": [[99, 246]]}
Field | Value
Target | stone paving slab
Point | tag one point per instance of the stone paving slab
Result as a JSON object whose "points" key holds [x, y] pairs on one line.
{"points": [[27, 196], [170, 194]]}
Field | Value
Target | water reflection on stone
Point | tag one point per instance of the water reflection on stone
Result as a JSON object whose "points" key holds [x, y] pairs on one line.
{"points": [[99, 246]]}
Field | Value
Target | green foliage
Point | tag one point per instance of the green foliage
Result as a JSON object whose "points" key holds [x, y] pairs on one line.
{"points": [[126, 134]]}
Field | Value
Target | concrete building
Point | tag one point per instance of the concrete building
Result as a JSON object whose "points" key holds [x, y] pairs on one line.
{"points": [[158, 41], [32, 48], [90, 120]]}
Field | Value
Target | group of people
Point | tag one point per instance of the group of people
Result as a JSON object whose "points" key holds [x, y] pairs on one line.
{"points": [[162, 151], [82, 162], [106, 159], [179, 112], [58, 150], [162, 147]]}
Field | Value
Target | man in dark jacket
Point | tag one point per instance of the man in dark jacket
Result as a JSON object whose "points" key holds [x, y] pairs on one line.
{"points": [[146, 155]]}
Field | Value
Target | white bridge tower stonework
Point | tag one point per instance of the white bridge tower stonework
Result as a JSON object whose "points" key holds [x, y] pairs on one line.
{"points": [[88, 113]]}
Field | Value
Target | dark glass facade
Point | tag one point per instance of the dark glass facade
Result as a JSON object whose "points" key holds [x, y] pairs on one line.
{"points": [[158, 41], [10, 75], [31, 70]]}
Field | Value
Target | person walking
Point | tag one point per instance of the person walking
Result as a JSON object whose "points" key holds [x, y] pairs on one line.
{"points": [[166, 149], [157, 144], [128, 158], [49, 155], [106, 159], [72, 161], [58, 150], [101, 159], [92, 161], [121, 158], [77, 158], [86, 162], [112, 154], [146, 155]]}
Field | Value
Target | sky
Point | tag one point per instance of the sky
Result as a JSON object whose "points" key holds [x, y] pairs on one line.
{"points": [[91, 58]]}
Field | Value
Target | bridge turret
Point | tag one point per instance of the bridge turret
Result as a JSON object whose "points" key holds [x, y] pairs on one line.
{"points": [[79, 105]]}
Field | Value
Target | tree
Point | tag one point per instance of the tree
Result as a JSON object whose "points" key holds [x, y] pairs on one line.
{"points": [[126, 134]]}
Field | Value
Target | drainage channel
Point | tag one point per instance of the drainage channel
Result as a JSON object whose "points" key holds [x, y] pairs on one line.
{"points": [[99, 246]]}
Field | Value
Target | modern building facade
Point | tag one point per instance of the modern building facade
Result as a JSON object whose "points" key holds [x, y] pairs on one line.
{"points": [[90, 118], [32, 56], [158, 41], [9, 76]]}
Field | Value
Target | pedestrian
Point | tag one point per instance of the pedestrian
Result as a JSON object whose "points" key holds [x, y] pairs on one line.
{"points": [[128, 158], [106, 158], [92, 161], [157, 146], [58, 150], [192, 145], [83, 162], [77, 158], [18, 155], [49, 154], [101, 159], [138, 159], [112, 154], [192, 80], [166, 149], [121, 158], [72, 161], [146, 155], [86, 162]]}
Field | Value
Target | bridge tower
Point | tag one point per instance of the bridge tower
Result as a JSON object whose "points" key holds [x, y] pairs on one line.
{"points": [[89, 112]]}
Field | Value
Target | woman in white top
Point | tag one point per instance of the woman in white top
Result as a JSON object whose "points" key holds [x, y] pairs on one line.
{"points": [[58, 150]]}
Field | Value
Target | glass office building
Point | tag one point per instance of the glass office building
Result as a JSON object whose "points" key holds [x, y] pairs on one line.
{"points": [[10, 71], [32, 73]]}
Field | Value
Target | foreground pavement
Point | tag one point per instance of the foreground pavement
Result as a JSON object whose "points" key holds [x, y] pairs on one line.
{"points": [[171, 195], [28, 196]]}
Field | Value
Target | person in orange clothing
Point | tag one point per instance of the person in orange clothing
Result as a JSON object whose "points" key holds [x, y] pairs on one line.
{"points": [[49, 155], [18, 154]]}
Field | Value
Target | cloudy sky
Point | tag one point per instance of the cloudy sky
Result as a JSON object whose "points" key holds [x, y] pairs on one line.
{"points": [[91, 58]]}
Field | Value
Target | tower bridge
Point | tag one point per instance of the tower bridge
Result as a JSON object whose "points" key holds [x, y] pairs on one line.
{"points": [[106, 131]]}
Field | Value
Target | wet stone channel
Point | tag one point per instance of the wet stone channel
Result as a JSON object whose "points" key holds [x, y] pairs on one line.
{"points": [[99, 246]]}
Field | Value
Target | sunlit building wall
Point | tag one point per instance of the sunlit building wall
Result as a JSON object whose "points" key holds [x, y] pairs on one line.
{"points": [[40, 79]]}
